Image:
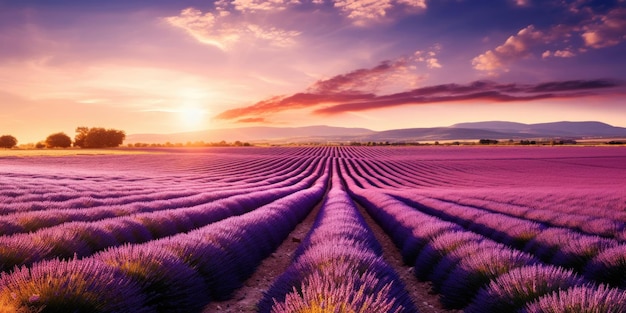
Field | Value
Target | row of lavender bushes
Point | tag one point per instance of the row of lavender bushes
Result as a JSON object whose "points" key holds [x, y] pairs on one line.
{"points": [[600, 259], [338, 267], [564, 209], [597, 258], [78, 207], [475, 273], [180, 273], [84, 238]]}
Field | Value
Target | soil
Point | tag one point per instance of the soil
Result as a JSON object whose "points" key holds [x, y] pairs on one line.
{"points": [[246, 298]]}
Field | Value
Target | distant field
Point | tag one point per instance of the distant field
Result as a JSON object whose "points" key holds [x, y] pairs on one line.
{"points": [[64, 152], [489, 229]]}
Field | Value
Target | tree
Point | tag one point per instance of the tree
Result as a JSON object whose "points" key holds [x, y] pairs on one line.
{"points": [[98, 137], [7, 141], [60, 140], [81, 134]]}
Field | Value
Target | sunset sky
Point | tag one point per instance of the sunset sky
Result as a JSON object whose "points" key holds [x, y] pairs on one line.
{"points": [[156, 66]]}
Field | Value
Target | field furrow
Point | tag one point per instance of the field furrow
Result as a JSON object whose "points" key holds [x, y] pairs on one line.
{"points": [[479, 229]]}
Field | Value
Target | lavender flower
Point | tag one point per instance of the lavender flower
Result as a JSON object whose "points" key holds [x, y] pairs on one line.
{"points": [[73, 286], [511, 291], [476, 270], [168, 284], [580, 299], [609, 267]]}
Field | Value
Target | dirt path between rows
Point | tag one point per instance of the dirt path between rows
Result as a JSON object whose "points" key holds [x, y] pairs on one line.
{"points": [[246, 298], [420, 292]]}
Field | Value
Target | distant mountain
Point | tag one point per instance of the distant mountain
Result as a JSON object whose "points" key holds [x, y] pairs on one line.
{"points": [[555, 129], [432, 134], [462, 131]]}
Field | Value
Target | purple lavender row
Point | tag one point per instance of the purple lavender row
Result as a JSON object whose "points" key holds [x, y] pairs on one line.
{"points": [[566, 247], [480, 275], [181, 273], [586, 218], [54, 178], [83, 239], [459, 262], [32, 221], [559, 246], [64, 199], [338, 267], [544, 288]]}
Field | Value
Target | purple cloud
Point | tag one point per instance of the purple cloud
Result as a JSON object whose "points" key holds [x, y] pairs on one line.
{"points": [[330, 98]]}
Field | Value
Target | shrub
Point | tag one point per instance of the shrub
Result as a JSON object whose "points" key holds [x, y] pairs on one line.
{"points": [[73, 286], [58, 140], [580, 299], [609, 267], [167, 282], [475, 271], [7, 141], [511, 291], [18, 250], [438, 248], [576, 254]]}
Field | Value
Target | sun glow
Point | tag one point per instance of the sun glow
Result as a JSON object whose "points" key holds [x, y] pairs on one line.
{"points": [[192, 117], [192, 112]]}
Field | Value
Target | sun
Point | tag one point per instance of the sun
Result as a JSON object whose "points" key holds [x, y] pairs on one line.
{"points": [[191, 109], [192, 117]]}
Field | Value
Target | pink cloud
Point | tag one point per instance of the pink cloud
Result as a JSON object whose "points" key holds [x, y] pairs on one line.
{"points": [[429, 57], [515, 47], [223, 31], [361, 79], [253, 120], [606, 30], [362, 12], [596, 31], [357, 85], [477, 91], [261, 5], [330, 102]]}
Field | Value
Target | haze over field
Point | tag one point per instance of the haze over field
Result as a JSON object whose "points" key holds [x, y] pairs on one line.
{"points": [[155, 67]]}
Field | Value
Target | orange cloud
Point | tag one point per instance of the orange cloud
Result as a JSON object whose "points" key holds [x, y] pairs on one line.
{"points": [[252, 120]]}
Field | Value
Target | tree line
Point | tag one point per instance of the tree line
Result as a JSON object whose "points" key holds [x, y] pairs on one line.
{"points": [[95, 137]]}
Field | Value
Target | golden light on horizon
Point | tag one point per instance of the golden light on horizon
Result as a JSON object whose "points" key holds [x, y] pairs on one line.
{"points": [[192, 112]]}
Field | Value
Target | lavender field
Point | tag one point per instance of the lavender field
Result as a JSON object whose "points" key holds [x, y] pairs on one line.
{"points": [[489, 229]]}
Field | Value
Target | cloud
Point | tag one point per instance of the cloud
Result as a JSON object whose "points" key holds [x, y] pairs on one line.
{"points": [[331, 100], [515, 47], [363, 11], [296, 101], [357, 85], [261, 5], [361, 79], [252, 120], [429, 57], [223, 31], [277, 37], [477, 91], [606, 30], [522, 3], [235, 21], [596, 30]]}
